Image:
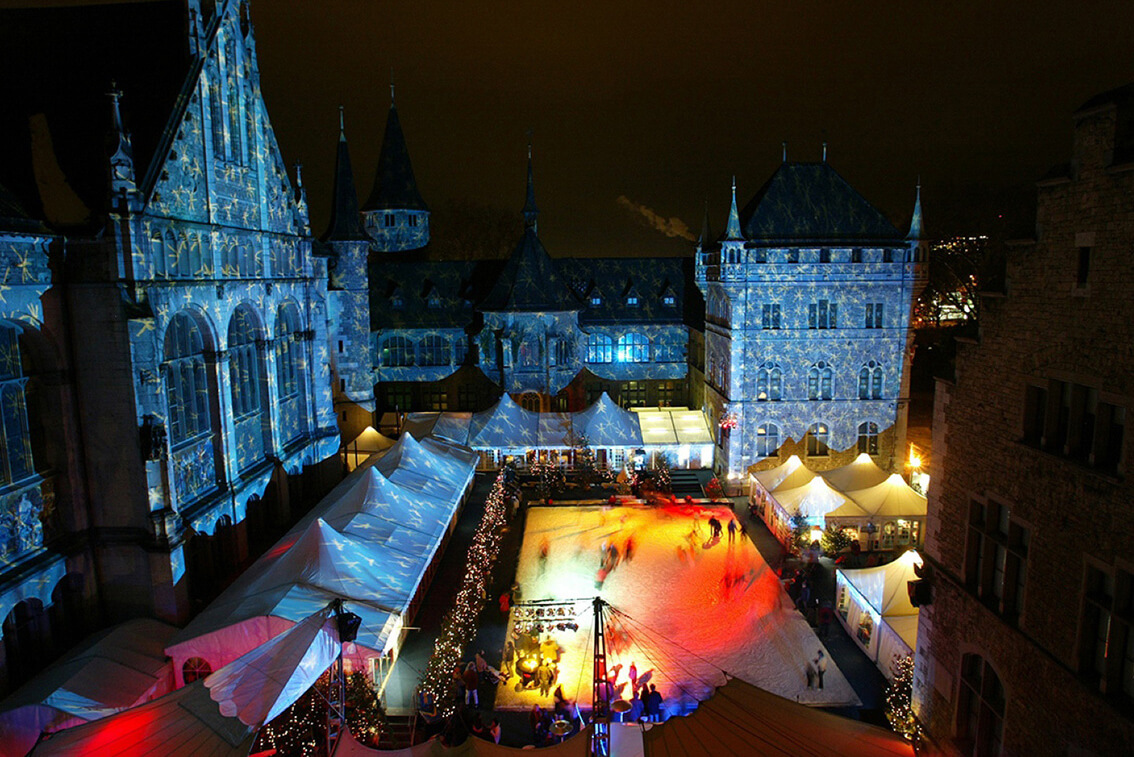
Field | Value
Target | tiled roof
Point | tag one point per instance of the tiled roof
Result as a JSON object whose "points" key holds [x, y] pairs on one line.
{"points": [[614, 279], [812, 202], [530, 282]]}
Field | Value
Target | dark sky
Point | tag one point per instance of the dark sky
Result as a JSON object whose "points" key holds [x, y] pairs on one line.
{"points": [[662, 102]]}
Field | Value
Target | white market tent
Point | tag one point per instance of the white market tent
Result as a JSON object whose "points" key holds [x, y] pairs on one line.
{"points": [[369, 442], [681, 434], [220, 715], [373, 541], [448, 426], [893, 498], [504, 426], [860, 497], [874, 606], [108, 672], [605, 424], [863, 472]]}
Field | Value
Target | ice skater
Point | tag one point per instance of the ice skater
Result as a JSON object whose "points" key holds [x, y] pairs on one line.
{"points": [[820, 667], [731, 530]]}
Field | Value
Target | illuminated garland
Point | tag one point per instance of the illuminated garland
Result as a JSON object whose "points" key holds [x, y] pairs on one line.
{"points": [[899, 700], [459, 626]]}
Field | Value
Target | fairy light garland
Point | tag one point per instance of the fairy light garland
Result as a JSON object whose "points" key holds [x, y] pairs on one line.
{"points": [[459, 626], [899, 700]]}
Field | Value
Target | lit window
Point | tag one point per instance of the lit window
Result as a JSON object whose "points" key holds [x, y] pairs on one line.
{"points": [[633, 348], [868, 438], [669, 301], [817, 438], [767, 440], [632, 300], [769, 383], [819, 381], [600, 348], [596, 300]]}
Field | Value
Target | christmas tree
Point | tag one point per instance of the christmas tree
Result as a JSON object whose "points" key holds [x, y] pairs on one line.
{"points": [[899, 699], [363, 709]]}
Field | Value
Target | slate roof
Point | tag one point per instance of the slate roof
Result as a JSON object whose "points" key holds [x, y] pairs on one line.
{"points": [[395, 187], [812, 202], [614, 278], [345, 223], [141, 47], [13, 217], [455, 282], [529, 282]]}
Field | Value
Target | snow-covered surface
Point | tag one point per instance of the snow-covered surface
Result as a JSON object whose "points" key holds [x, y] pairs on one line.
{"points": [[688, 607]]}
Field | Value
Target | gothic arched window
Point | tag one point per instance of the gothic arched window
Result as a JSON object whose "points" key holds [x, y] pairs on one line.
{"points": [[633, 348], [289, 352], [819, 381], [397, 352], [186, 384], [769, 383], [17, 463], [980, 707], [868, 438], [244, 362], [600, 348], [767, 439], [870, 382], [818, 436]]}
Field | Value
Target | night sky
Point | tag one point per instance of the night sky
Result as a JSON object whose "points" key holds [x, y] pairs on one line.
{"points": [[660, 103]]}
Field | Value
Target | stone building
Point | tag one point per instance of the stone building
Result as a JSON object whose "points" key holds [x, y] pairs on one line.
{"points": [[807, 324], [163, 320], [1028, 645]]}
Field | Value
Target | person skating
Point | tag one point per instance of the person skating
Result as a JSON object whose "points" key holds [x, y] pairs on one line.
{"points": [[731, 530]]}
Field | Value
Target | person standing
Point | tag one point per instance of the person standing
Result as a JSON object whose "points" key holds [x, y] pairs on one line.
{"points": [[535, 717], [506, 660], [543, 677], [731, 530], [810, 670], [820, 667], [654, 704], [633, 676], [472, 685]]}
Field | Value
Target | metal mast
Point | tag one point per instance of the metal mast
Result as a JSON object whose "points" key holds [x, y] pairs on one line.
{"points": [[600, 699]]}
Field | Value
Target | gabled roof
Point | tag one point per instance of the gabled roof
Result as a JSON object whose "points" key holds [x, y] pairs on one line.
{"points": [[140, 47], [530, 282], [345, 224], [395, 187], [812, 202], [454, 280]]}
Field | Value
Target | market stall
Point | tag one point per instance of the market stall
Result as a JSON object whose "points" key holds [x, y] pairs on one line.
{"points": [[874, 606]]}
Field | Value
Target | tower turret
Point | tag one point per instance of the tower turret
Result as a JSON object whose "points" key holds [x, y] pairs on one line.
{"points": [[395, 215]]}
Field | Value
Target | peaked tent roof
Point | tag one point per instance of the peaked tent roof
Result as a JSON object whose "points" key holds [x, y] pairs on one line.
{"points": [[861, 473], [891, 498], [811, 201], [789, 474], [741, 719], [413, 466], [504, 425], [529, 282], [884, 587], [605, 424], [219, 715], [346, 223], [817, 499], [395, 187], [107, 673]]}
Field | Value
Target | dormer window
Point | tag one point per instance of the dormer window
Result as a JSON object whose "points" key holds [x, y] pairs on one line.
{"points": [[434, 302], [669, 300], [389, 220], [596, 300], [397, 301], [632, 300], [413, 221]]}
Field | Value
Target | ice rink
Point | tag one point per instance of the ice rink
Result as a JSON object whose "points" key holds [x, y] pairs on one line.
{"points": [[686, 607]]}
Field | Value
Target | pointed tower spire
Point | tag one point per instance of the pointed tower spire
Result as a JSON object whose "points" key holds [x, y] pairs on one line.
{"points": [[706, 231], [915, 220], [122, 150], [732, 233], [784, 143], [301, 212], [345, 223], [391, 86], [531, 211]]}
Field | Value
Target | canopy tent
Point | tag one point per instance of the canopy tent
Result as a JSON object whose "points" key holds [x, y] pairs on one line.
{"points": [[741, 719], [605, 424], [874, 606], [815, 500], [449, 426], [321, 565], [892, 498], [790, 474], [555, 431], [428, 467], [505, 425], [372, 541], [106, 673], [862, 473], [219, 715]]}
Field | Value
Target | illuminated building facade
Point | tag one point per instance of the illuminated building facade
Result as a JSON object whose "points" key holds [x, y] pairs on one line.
{"points": [[807, 324], [163, 320], [1028, 644]]}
